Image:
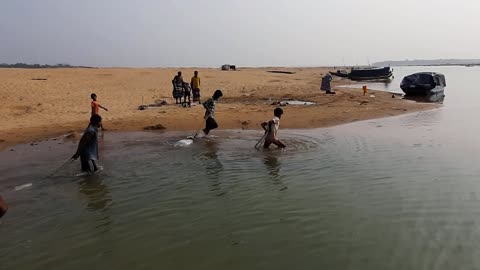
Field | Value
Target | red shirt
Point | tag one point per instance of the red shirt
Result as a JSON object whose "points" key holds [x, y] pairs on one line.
{"points": [[95, 107]]}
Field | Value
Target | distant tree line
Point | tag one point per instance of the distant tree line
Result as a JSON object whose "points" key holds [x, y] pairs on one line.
{"points": [[23, 65]]}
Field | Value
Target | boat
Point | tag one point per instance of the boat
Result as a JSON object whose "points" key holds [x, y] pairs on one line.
{"points": [[423, 83], [340, 73], [371, 73], [228, 67], [428, 98]]}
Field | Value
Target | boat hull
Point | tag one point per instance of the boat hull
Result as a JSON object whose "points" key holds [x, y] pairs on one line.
{"points": [[370, 73], [339, 74], [422, 90]]}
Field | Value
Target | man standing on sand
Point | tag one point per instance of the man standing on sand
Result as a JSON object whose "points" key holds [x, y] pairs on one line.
{"points": [[88, 146], [3, 207], [96, 107], [271, 129], [209, 106], [195, 84], [177, 91], [325, 86]]}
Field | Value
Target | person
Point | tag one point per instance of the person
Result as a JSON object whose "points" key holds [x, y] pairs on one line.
{"points": [[178, 79], [195, 84], [271, 129], [186, 93], [88, 146], [3, 207], [325, 86], [96, 107], [177, 92], [209, 117]]}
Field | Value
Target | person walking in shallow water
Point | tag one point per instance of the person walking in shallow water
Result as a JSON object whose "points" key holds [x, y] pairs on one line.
{"points": [[271, 129], [87, 149], [209, 117]]}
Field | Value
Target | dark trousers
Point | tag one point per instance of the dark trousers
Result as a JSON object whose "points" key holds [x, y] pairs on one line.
{"points": [[185, 95], [196, 95], [86, 165], [210, 124]]}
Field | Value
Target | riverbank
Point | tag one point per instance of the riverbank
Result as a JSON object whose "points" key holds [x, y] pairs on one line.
{"points": [[39, 104]]}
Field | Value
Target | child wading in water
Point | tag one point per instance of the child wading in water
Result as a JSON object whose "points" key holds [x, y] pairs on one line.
{"points": [[88, 146], [209, 106], [96, 107], [271, 129]]}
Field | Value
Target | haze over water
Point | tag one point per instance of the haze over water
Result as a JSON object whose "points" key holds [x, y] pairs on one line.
{"points": [[393, 193]]}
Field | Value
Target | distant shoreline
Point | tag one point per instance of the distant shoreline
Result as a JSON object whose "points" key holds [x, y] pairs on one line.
{"points": [[38, 66], [439, 65], [434, 63]]}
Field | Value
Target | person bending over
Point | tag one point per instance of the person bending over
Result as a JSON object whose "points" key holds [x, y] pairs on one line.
{"points": [[88, 146], [271, 129]]}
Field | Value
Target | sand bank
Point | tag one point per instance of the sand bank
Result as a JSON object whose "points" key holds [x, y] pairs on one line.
{"points": [[41, 103]]}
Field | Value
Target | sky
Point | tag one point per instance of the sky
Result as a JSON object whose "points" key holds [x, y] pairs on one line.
{"points": [[209, 33]]}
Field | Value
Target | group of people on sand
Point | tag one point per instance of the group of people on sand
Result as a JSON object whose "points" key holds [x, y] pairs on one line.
{"points": [[182, 89]]}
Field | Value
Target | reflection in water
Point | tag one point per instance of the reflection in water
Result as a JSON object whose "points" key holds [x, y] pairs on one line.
{"points": [[213, 166], [272, 164], [438, 97], [97, 193], [387, 83]]}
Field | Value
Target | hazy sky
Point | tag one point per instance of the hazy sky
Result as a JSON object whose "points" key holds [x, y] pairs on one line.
{"points": [[153, 33]]}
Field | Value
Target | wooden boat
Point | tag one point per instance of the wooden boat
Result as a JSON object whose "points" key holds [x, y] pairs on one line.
{"points": [[340, 73], [423, 83], [373, 73]]}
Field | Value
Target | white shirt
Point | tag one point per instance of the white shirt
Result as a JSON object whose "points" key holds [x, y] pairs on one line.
{"points": [[276, 124]]}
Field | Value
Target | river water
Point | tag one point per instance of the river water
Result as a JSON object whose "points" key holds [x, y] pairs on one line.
{"points": [[394, 193]]}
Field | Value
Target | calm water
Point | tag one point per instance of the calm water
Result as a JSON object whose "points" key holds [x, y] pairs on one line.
{"points": [[394, 193]]}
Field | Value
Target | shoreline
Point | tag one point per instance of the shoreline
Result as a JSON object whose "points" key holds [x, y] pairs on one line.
{"points": [[72, 131], [41, 110]]}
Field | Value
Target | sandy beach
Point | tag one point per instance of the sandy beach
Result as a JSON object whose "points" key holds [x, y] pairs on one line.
{"points": [[42, 103]]}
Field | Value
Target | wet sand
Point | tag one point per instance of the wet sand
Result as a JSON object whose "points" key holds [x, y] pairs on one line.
{"points": [[43, 103]]}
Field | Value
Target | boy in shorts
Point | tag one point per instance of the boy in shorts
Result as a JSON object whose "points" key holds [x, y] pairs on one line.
{"points": [[271, 129], [209, 106], [187, 90], [96, 107]]}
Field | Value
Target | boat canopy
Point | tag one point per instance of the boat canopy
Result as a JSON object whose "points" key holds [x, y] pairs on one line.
{"points": [[424, 78]]}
